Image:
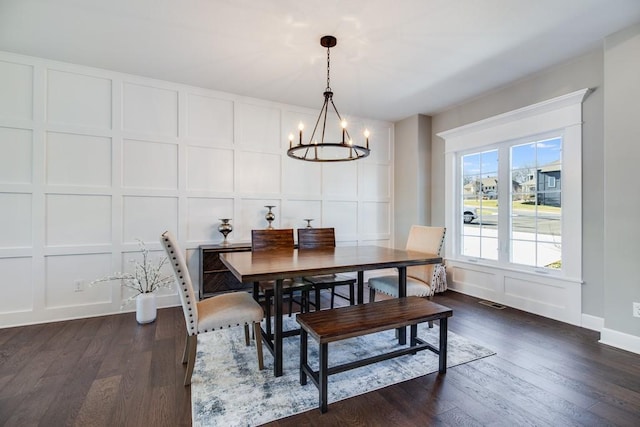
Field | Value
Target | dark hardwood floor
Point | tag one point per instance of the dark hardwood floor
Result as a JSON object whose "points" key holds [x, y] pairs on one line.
{"points": [[109, 371]]}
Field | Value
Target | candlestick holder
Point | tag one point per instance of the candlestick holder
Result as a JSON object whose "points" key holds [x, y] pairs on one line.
{"points": [[225, 228], [270, 216]]}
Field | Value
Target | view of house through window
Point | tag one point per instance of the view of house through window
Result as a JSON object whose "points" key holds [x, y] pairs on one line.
{"points": [[480, 205], [529, 204]]}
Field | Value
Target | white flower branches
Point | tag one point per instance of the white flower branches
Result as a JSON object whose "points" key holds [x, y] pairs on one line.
{"points": [[145, 278]]}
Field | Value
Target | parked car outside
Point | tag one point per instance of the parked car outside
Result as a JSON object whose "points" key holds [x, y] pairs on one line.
{"points": [[469, 213], [490, 195]]}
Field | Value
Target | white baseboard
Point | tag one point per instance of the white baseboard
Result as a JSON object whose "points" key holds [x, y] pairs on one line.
{"points": [[620, 340], [592, 322]]}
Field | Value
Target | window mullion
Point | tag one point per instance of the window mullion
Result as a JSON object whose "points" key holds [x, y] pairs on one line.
{"points": [[504, 198]]}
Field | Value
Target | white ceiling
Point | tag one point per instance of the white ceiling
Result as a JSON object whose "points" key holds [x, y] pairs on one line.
{"points": [[393, 58]]}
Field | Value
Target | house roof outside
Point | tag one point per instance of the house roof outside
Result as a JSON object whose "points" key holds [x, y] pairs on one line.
{"points": [[551, 167]]}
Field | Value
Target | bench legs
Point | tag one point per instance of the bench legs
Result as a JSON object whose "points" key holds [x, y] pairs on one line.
{"points": [[303, 356], [323, 376], [320, 377], [413, 335]]}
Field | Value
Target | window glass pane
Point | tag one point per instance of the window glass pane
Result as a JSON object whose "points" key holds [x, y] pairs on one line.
{"points": [[471, 187], [523, 252], [479, 204], [489, 163], [489, 248], [523, 181], [549, 151], [536, 174], [550, 255], [470, 246], [549, 228]]}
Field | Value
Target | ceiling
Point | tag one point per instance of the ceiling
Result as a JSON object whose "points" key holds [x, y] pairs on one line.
{"points": [[394, 59]]}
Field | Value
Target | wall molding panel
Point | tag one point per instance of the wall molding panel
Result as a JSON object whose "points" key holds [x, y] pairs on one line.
{"points": [[92, 160], [541, 294]]}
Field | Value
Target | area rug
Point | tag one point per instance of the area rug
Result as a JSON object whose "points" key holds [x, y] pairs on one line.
{"points": [[227, 389]]}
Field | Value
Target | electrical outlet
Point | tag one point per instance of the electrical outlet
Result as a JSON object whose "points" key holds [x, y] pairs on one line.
{"points": [[636, 309], [78, 284]]}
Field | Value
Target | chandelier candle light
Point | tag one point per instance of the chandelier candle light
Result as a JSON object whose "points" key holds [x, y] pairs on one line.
{"points": [[322, 151]]}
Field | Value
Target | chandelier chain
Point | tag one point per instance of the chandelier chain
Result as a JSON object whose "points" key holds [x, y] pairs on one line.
{"points": [[328, 81]]}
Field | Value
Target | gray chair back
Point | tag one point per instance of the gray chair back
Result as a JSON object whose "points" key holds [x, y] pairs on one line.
{"points": [[183, 281]]}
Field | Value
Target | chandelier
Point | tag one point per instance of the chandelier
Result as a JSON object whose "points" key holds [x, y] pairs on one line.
{"points": [[318, 150]]}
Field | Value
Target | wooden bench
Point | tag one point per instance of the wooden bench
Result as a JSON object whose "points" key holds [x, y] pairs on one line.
{"points": [[347, 322]]}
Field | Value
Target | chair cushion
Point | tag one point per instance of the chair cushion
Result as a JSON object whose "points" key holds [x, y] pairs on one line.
{"points": [[228, 310], [389, 285]]}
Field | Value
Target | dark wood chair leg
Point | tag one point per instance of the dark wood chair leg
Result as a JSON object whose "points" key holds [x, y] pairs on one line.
{"points": [[290, 303], [192, 343], [258, 334], [305, 300], [185, 353], [256, 291]]}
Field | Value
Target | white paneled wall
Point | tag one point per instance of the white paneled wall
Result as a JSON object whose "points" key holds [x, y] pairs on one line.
{"points": [[91, 161]]}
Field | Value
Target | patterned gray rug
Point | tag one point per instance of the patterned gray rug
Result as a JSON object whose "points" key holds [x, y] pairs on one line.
{"points": [[227, 389]]}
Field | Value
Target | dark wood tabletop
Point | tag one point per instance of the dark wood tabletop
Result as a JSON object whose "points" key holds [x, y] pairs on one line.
{"points": [[285, 264]]}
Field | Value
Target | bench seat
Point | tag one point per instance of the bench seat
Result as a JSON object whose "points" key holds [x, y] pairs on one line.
{"points": [[347, 322]]}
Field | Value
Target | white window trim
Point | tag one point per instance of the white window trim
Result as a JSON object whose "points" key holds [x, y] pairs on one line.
{"points": [[563, 113], [551, 182]]}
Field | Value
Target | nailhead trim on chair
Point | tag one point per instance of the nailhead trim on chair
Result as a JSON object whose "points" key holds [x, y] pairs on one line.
{"points": [[192, 330]]}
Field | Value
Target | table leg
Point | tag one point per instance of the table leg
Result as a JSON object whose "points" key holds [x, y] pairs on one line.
{"points": [[442, 359], [360, 287], [277, 339], [402, 292]]}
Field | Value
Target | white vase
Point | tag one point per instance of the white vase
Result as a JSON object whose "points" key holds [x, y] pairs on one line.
{"points": [[146, 308]]}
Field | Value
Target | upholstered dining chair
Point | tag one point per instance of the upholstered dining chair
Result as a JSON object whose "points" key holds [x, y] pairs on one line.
{"points": [[317, 238], [218, 312], [269, 240], [421, 279]]}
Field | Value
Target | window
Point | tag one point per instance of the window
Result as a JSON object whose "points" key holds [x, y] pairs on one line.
{"points": [[535, 237], [513, 189], [530, 200], [479, 174]]}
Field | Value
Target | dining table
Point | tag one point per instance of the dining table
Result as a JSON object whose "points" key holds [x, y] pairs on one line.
{"points": [[278, 265]]}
